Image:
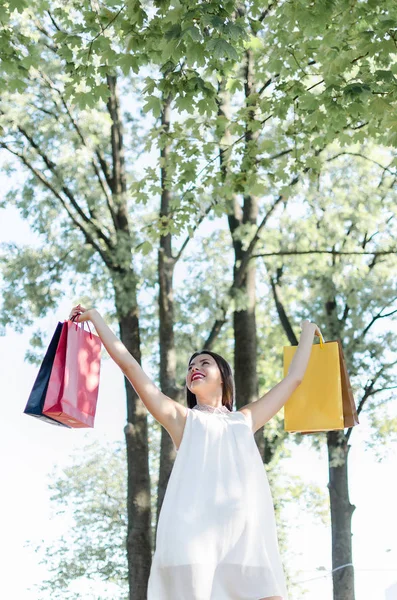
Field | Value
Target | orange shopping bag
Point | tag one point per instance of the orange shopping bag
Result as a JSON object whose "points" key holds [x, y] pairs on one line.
{"points": [[324, 400]]}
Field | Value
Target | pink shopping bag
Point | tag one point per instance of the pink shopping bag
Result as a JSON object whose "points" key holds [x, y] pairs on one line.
{"points": [[73, 386]]}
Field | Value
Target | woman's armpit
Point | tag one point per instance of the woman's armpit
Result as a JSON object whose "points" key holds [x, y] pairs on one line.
{"points": [[247, 417]]}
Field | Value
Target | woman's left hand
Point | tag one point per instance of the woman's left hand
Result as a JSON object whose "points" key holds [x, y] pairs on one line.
{"points": [[317, 331]]}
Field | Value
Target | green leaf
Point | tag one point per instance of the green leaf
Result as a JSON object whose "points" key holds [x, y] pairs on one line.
{"points": [[195, 54], [154, 104], [235, 32], [356, 89], [18, 5], [383, 75], [234, 84], [194, 33], [258, 188], [128, 62], [379, 106], [255, 25], [173, 32], [222, 49], [102, 92], [308, 101], [146, 247], [184, 103]]}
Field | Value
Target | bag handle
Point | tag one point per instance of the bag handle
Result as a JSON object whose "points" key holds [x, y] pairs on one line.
{"points": [[321, 340], [82, 323]]}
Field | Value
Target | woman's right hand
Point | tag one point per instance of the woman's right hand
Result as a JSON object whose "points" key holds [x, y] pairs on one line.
{"points": [[79, 314]]}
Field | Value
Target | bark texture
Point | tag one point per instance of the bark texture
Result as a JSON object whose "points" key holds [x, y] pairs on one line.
{"points": [[244, 321], [338, 485], [166, 265], [341, 517], [138, 541]]}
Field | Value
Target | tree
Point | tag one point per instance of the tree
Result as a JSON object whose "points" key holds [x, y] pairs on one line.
{"points": [[75, 198], [322, 73], [90, 496], [342, 274]]}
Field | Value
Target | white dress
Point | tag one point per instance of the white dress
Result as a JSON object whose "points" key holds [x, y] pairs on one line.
{"points": [[216, 536]]}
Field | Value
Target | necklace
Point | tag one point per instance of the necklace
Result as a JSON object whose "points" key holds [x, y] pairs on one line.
{"points": [[212, 409]]}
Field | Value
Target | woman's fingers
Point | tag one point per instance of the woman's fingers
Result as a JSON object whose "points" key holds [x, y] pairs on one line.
{"points": [[78, 314], [316, 330], [75, 312]]}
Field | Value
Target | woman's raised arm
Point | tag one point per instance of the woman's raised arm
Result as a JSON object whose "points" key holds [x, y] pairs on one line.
{"points": [[165, 410], [261, 411]]}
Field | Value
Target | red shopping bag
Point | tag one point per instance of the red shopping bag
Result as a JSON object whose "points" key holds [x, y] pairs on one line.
{"points": [[72, 391]]}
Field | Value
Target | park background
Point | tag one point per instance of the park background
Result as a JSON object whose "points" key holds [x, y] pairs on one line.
{"points": [[30, 449], [364, 178]]}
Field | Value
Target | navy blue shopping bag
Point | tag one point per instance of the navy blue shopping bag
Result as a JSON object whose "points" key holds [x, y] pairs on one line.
{"points": [[37, 396]]}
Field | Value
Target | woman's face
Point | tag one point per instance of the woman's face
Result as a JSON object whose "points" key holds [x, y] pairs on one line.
{"points": [[203, 374]]}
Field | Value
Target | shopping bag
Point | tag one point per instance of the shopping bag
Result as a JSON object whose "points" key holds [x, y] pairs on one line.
{"points": [[73, 387], [324, 400], [34, 406]]}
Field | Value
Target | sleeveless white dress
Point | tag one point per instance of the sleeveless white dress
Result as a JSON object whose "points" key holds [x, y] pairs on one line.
{"points": [[216, 536]]}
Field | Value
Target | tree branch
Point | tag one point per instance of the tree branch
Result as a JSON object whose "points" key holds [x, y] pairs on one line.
{"points": [[45, 111], [76, 127], [334, 252], [104, 167], [358, 154], [89, 238], [53, 168], [108, 197], [103, 28], [53, 21], [280, 154], [216, 328], [218, 324], [282, 313], [267, 83], [267, 11], [119, 179], [379, 316], [248, 253], [392, 387], [370, 391], [188, 238]]}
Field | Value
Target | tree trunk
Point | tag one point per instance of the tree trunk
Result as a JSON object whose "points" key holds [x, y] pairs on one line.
{"points": [[166, 264], [136, 432], [341, 517], [341, 509], [244, 321], [136, 437], [244, 325]]}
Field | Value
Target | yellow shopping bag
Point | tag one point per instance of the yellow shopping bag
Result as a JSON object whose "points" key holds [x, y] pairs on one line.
{"points": [[324, 400]]}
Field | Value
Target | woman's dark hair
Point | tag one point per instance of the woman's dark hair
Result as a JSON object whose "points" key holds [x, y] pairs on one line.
{"points": [[227, 378]]}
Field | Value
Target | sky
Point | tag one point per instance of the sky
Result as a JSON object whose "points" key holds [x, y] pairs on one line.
{"points": [[29, 449]]}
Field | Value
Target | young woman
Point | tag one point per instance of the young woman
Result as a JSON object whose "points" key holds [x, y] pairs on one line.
{"points": [[216, 535]]}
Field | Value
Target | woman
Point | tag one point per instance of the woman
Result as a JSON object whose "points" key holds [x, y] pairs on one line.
{"points": [[216, 535]]}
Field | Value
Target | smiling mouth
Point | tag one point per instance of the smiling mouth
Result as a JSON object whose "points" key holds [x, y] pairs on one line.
{"points": [[195, 377]]}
